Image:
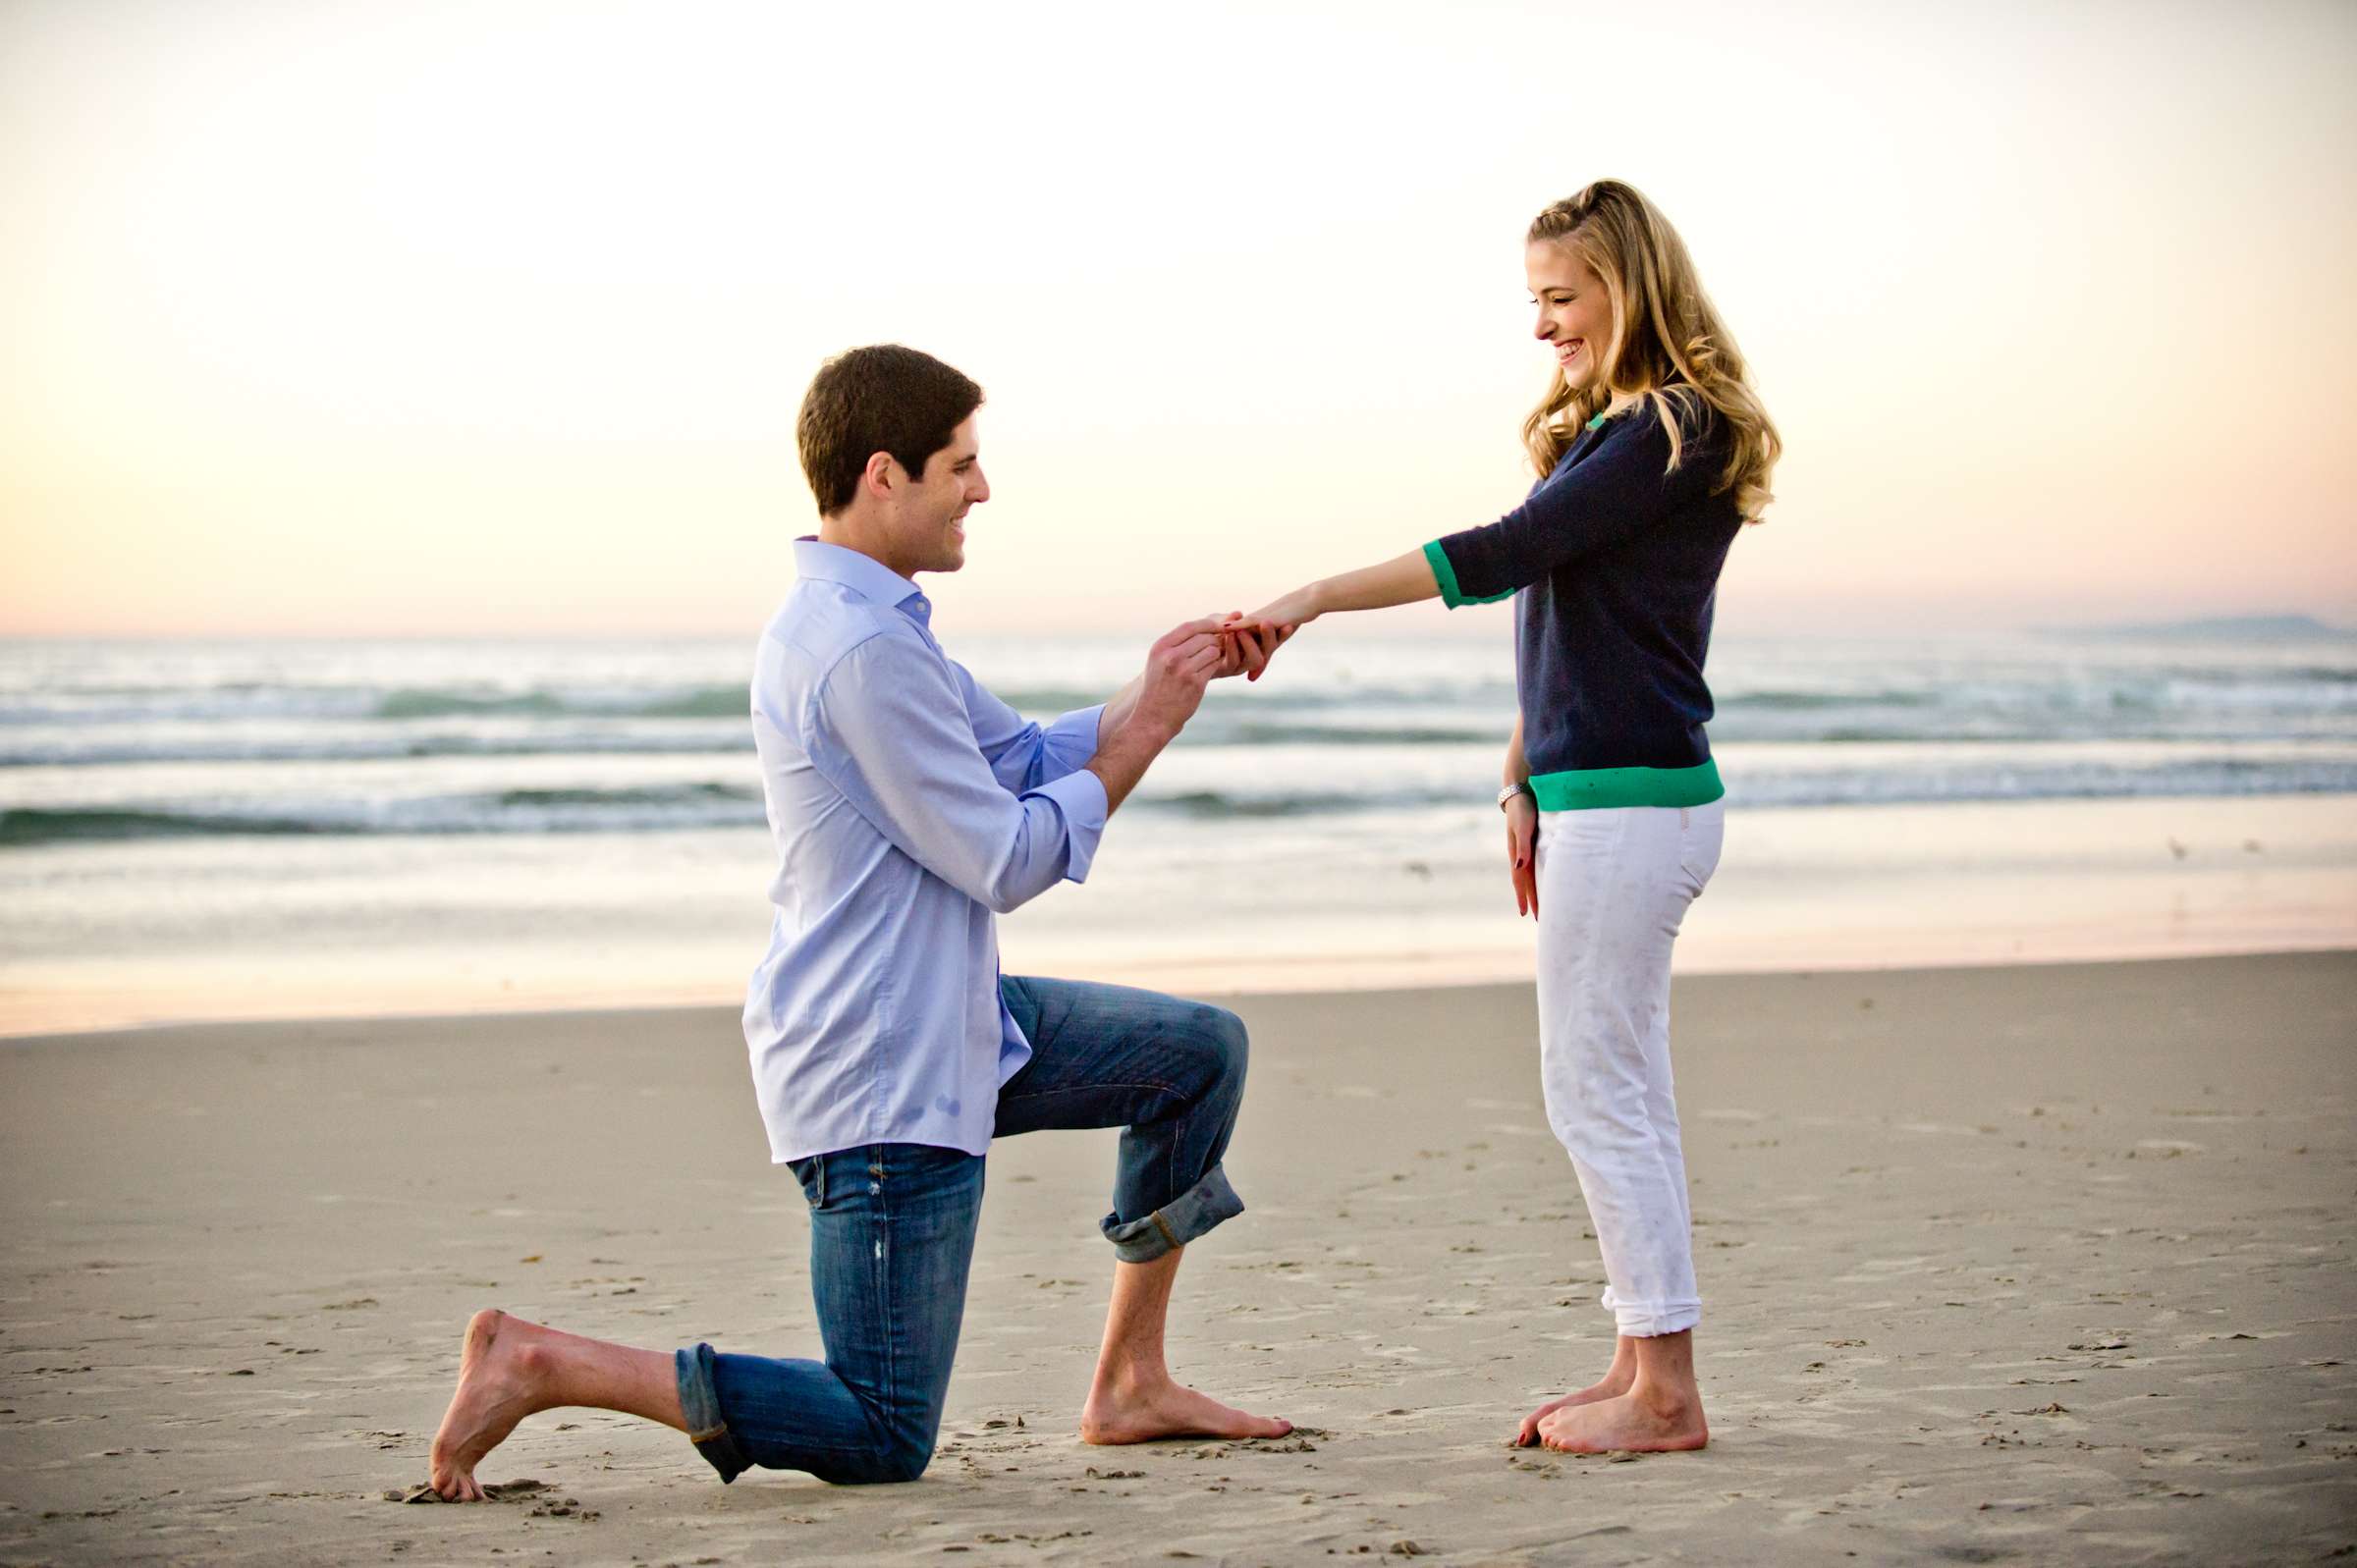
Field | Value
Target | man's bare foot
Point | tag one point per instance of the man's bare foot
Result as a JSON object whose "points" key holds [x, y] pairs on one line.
{"points": [[496, 1389], [1166, 1409], [1627, 1422], [1612, 1386]]}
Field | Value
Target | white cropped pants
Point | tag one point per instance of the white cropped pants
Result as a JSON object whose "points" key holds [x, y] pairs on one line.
{"points": [[1613, 886]]}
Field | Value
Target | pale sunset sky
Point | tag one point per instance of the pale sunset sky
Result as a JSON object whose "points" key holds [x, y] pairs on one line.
{"points": [[464, 318]]}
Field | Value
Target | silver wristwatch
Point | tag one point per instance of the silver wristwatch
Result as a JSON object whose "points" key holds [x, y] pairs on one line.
{"points": [[1511, 790]]}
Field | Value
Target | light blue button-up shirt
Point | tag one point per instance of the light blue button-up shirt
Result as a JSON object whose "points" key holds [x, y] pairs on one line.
{"points": [[907, 805]]}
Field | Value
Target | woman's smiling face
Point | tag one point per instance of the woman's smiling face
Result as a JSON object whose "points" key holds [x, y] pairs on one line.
{"points": [[1575, 314]]}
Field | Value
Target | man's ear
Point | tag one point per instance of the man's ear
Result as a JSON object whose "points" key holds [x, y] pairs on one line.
{"points": [[883, 474]]}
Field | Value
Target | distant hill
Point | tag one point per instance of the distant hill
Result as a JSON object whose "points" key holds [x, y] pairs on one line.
{"points": [[2218, 628]]}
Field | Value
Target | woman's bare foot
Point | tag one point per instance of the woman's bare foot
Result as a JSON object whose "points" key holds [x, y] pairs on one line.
{"points": [[1635, 1422], [497, 1388], [1616, 1381], [1164, 1408], [1610, 1387]]}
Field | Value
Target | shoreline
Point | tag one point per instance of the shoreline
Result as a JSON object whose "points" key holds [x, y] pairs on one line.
{"points": [[94, 937], [1222, 981]]}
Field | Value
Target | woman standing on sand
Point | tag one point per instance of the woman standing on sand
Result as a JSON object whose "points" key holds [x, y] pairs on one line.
{"points": [[1653, 452]]}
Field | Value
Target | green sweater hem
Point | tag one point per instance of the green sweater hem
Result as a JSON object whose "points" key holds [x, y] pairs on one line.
{"points": [[1600, 789]]}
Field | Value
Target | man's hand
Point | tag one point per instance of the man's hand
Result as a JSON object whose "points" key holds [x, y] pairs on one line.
{"points": [[1148, 714], [1178, 665]]}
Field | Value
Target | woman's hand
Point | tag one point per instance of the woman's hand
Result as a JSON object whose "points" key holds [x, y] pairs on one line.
{"points": [[1522, 853], [1271, 628], [1244, 646], [1288, 613]]}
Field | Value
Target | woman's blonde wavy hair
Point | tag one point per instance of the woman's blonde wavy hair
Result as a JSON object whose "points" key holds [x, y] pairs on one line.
{"points": [[1669, 345]]}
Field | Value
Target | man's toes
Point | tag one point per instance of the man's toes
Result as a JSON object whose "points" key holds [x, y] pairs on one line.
{"points": [[1218, 1417]]}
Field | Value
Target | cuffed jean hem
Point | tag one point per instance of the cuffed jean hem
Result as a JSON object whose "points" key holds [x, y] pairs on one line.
{"points": [[1648, 1320], [699, 1402], [1194, 1211]]}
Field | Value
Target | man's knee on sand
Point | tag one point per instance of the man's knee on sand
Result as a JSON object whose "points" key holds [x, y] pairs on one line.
{"points": [[898, 1451], [887, 1466]]}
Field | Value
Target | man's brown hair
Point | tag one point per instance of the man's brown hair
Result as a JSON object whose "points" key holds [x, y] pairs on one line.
{"points": [[879, 399]]}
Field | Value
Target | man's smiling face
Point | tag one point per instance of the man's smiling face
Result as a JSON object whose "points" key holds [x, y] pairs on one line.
{"points": [[931, 528]]}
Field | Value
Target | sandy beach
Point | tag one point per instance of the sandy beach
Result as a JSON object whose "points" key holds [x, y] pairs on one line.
{"points": [[2036, 1265]]}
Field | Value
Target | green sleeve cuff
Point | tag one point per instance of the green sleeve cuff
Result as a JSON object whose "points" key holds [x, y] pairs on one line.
{"points": [[1444, 573]]}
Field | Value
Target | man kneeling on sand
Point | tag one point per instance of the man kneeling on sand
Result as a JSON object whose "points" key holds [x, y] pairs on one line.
{"points": [[909, 805]]}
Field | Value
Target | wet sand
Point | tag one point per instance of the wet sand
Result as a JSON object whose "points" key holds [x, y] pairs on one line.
{"points": [[2037, 1264]]}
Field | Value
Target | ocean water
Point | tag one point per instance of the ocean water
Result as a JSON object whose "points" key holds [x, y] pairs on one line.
{"points": [[290, 808], [124, 741]]}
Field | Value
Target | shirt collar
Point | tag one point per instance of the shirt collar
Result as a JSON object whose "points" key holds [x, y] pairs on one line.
{"points": [[864, 575]]}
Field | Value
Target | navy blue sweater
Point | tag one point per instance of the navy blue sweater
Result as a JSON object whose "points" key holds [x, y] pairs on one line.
{"points": [[1613, 565]]}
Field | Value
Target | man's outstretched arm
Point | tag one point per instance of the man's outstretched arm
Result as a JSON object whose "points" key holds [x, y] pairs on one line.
{"points": [[888, 731]]}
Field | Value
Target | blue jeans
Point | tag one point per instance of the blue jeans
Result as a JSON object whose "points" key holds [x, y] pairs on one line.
{"points": [[892, 1230]]}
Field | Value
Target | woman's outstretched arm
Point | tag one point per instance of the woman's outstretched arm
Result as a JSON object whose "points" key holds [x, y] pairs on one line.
{"points": [[1401, 580]]}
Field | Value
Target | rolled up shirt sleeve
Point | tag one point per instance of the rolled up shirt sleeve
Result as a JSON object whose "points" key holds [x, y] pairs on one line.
{"points": [[1610, 495], [1069, 741], [896, 737], [1021, 754]]}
